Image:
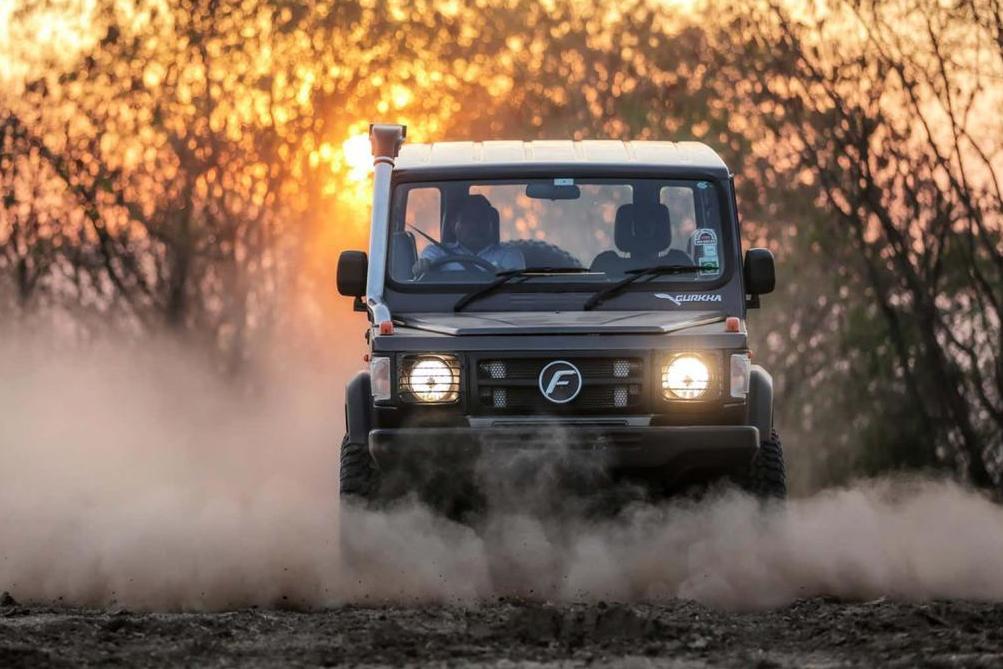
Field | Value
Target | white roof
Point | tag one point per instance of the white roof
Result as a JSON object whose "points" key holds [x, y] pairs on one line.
{"points": [[558, 152]]}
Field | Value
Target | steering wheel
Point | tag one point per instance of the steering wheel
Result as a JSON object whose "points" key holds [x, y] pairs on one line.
{"points": [[470, 262]]}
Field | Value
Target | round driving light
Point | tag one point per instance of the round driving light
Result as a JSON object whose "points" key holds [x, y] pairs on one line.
{"points": [[686, 378], [432, 380]]}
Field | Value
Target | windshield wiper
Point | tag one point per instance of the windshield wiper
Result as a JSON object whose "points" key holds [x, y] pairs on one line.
{"points": [[637, 274], [501, 278]]}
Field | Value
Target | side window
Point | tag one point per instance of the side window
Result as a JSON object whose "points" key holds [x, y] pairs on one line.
{"points": [[696, 225], [424, 212], [682, 214]]}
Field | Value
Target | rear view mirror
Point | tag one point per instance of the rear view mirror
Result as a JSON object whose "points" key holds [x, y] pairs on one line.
{"points": [[353, 267], [540, 191], [759, 273]]}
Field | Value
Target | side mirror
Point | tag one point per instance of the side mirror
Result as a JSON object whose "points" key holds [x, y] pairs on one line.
{"points": [[353, 268], [760, 274]]}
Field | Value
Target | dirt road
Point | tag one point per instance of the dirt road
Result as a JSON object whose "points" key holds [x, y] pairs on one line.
{"points": [[818, 632]]}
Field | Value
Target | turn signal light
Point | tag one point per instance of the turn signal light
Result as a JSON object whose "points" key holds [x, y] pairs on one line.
{"points": [[741, 369], [379, 378]]}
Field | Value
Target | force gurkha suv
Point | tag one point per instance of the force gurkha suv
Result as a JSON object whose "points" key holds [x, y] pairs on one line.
{"points": [[596, 288]]}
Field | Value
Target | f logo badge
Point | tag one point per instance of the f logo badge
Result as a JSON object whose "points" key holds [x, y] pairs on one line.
{"points": [[560, 382]]}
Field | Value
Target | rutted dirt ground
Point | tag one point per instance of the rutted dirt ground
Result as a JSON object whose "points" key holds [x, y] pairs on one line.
{"points": [[811, 633]]}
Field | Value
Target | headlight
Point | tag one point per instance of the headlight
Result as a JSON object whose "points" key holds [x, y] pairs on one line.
{"points": [[686, 377], [433, 379]]}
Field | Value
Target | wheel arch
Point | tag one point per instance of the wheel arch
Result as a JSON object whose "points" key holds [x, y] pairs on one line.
{"points": [[761, 401], [358, 408]]}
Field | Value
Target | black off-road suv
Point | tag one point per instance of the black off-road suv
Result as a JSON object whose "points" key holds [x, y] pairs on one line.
{"points": [[585, 296]]}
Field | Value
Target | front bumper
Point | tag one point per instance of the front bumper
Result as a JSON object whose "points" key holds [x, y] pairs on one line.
{"points": [[715, 447]]}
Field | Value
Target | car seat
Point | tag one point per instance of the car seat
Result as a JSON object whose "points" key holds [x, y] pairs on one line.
{"points": [[403, 255], [642, 231]]}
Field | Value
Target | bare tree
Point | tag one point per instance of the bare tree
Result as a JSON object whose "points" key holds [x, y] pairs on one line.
{"points": [[887, 123]]}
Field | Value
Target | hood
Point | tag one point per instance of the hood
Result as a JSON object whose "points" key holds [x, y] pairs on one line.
{"points": [[560, 322]]}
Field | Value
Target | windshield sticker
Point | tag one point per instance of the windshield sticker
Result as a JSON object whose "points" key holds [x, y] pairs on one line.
{"points": [[703, 185], [680, 298], [705, 251], [704, 236], [564, 181], [708, 261]]}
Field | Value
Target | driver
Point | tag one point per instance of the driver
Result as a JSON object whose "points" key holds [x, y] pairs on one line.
{"points": [[476, 234]]}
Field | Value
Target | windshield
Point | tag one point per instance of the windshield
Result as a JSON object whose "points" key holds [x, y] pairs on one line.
{"points": [[467, 231]]}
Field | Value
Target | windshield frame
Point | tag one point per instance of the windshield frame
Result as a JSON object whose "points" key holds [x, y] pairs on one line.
{"points": [[589, 174]]}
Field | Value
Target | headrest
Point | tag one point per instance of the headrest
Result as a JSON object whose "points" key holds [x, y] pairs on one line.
{"points": [[642, 229], [478, 207]]}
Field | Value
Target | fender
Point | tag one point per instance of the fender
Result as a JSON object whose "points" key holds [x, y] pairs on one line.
{"points": [[358, 397], [761, 401]]}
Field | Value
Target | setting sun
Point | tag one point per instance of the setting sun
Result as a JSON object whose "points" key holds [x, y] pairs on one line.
{"points": [[358, 156]]}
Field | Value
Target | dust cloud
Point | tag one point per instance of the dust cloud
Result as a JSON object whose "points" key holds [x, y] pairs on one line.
{"points": [[137, 479]]}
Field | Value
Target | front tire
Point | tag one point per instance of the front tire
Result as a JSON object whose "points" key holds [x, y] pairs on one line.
{"points": [[767, 477], [358, 480], [357, 475]]}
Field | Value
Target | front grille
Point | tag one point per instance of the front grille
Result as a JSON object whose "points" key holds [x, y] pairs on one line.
{"points": [[511, 385]]}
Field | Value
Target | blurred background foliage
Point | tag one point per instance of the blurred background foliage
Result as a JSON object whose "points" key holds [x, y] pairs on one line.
{"points": [[195, 167]]}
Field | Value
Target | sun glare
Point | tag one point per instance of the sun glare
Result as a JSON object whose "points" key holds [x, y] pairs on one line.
{"points": [[44, 35], [358, 156]]}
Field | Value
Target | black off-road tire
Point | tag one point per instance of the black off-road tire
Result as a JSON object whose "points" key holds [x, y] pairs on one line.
{"points": [[767, 477], [358, 475], [539, 253], [359, 481]]}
